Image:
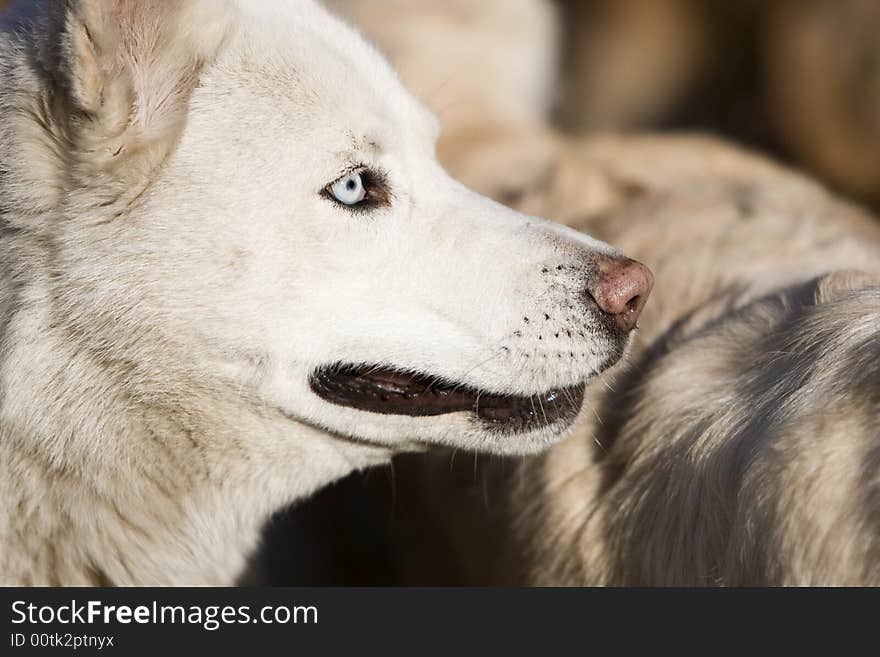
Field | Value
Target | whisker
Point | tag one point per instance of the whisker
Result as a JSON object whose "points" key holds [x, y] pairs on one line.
{"points": [[543, 412]]}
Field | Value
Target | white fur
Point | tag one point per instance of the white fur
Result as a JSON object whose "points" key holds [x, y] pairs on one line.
{"points": [[175, 276]]}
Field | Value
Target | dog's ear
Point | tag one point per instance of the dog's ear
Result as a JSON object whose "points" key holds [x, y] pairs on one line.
{"points": [[129, 67]]}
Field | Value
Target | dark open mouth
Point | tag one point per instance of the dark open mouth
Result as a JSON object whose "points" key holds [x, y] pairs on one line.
{"points": [[393, 392]]}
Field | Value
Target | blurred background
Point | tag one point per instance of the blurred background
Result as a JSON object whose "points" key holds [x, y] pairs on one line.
{"points": [[798, 80]]}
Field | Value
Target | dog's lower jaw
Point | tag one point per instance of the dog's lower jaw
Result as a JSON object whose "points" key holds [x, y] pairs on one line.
{"points": [[168, 501]]}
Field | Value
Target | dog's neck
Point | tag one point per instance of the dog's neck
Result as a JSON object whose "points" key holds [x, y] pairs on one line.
{"points": [[101, 489]]}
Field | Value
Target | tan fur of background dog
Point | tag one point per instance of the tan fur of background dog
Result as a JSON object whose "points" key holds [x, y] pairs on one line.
{"points": [[673, 484]]}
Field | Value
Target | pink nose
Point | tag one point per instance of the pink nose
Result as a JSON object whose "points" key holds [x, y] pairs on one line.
{"points": [[620, 289]]}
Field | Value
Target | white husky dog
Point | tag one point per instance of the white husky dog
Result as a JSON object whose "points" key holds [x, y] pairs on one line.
{"points": [[231, 271]]}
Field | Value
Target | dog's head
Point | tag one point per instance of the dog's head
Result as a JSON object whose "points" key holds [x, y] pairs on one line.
{"points": [[247, 202]]}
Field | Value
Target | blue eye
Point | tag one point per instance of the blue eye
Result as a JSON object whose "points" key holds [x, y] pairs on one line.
{"points": [[349, 190], [360, 190]]}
